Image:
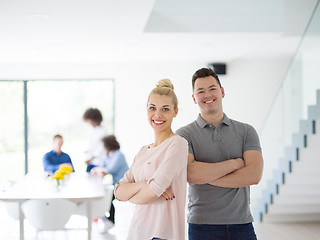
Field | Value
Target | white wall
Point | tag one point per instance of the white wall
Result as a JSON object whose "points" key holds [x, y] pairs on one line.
{"points": [[250, 85], [311, 79]]}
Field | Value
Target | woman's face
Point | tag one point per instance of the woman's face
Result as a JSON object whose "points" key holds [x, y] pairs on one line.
{"points": [[92, 123], [161, 112], [106, 150]]}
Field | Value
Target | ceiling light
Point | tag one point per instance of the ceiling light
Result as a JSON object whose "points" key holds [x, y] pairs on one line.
{"points": [[39, 15]]}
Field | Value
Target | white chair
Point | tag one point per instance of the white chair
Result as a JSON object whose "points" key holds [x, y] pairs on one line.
{"points": [[48, 214], [98, 207], [13, 209]]}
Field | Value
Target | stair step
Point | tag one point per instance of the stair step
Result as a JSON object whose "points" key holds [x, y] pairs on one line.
{"points": [[302, 179], [306, 126], [294, 208], [314, 112], [310, 217], [317, 126], [310, 155], [306, 130], [305, 189], [298, 140], [296, 199], [313, 142], [318, 97], [310, 167]]}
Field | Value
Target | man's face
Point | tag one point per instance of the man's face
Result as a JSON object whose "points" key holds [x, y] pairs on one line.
{"points": [[208, 95], [57, 143]]}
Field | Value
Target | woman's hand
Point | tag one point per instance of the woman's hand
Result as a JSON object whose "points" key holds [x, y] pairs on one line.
{"points": [[128, 191], [99, 171], [168, 194]]}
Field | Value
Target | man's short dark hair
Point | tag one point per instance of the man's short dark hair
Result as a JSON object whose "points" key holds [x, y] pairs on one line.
{"points": [[57, 136], [110, 143], [204, 72], [93, 114]]}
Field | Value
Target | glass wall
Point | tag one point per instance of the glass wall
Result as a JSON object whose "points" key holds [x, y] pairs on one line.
{"points": [[54, 107], [297, 93], [12, 130]]}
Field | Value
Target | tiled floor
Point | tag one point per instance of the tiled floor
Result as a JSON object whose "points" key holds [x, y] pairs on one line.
{"points": [[288, 231]]}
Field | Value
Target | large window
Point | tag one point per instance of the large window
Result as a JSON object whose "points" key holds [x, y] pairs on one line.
{"points": [[11, 130], [53, 107]]}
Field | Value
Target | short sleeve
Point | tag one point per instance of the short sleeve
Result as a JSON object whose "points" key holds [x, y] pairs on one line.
{"points": [[175, 161], [252, 141], [48, 165], [184, 133]]}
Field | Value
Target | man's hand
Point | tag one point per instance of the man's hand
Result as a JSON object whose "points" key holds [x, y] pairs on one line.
{"points": [[65, 165], [245, 176], [168, 194], [239, 163]]}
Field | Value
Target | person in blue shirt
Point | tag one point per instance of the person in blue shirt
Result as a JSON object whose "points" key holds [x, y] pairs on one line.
{"points": [[115, 164], [53, 159]]}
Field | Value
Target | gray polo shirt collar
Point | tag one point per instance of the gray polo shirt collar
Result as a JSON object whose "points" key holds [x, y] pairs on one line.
{"points": [[202, 123]]}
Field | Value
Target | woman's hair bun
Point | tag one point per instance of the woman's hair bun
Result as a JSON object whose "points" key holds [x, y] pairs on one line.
{"points": [[165, 88], [165, 83]]}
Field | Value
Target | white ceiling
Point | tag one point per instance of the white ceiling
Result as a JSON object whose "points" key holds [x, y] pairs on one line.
{"points": [[89, 31]]}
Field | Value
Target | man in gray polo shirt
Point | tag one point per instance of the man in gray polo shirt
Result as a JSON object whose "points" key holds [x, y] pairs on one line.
{"points": [[224, 160]]}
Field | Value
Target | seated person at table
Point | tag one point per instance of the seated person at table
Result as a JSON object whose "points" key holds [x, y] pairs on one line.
{"points": [[115, 164], [53, 159]]}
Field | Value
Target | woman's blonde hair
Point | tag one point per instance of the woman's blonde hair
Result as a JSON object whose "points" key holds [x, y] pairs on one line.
{"points": [[165, 87]]}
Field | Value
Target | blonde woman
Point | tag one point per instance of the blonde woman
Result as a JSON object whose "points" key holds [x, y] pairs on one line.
{"points": [[156, 181]]}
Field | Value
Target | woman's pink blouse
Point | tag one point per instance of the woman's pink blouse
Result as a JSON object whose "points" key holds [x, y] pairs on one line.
{"points": [[162, 166]]}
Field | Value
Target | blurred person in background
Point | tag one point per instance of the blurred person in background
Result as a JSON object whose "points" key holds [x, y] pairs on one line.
{"points": [[95, 153], [53, 159], [115, 164]]}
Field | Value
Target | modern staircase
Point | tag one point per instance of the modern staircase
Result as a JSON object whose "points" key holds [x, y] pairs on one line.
{"points": [[293, 195]]}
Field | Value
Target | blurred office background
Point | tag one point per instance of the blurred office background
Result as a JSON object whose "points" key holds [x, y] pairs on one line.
{"points": [[58, 58]]}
